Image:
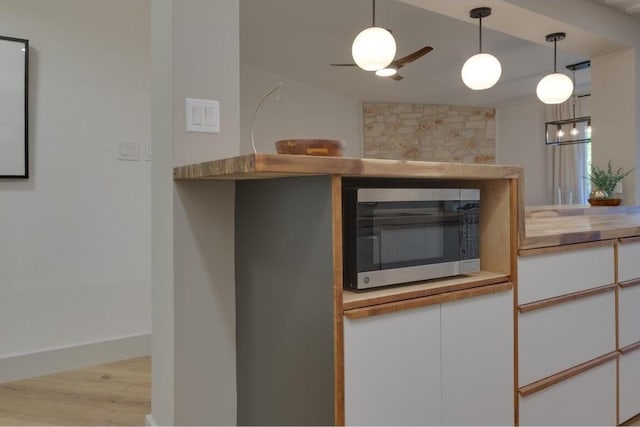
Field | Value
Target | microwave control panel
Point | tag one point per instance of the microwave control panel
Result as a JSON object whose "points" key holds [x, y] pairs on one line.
{"points": [[470, 234]]}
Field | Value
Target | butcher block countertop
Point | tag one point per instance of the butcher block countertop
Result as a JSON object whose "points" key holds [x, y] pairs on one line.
{"points": [[256, 166], [547, 226], [539, 227]]}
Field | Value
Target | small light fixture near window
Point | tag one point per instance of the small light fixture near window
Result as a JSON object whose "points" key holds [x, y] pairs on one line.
{"points": [[576, 130], [569, 131]]}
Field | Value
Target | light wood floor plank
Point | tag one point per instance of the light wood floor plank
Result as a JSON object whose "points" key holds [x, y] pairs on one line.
{"points": [[113, 394], [633, 421]]}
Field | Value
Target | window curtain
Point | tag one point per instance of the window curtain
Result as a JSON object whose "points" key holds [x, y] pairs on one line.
{"points": [[568, 163]]}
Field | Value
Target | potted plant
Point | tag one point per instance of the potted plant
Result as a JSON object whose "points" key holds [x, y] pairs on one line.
{"points": [[604, 182]]}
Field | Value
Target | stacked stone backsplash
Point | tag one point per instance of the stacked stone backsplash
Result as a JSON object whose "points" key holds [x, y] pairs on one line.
{"points": [[441, 133]]}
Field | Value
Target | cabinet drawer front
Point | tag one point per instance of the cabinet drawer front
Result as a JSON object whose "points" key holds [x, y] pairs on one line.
{"points": [[549, 275], [586, 399], [628, 261], [556, 338], [629, 306], [629, 385], [392, 368]]}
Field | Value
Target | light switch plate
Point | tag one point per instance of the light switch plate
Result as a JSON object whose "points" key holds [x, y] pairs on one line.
{"points": [[147, 151], [202, 115], [128, 150]]}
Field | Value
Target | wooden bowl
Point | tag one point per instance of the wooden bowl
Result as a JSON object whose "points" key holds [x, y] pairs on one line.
{"points": [[311, 147], [604, 202]]}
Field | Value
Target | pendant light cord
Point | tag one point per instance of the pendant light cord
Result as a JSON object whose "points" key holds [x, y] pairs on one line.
{"points": [[555, 55], [574, 97], [373, 7], [480, 29]]}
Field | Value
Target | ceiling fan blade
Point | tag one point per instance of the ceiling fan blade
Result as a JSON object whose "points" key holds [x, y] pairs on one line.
{"points": [[343, 65], [401, 62], [396, 77]]}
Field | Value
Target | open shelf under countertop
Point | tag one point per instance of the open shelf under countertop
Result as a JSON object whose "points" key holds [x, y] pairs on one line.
{"points": [[370, 297]]}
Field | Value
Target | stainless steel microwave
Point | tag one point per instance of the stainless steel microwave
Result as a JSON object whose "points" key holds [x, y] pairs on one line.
{"points": [[400, 235]]}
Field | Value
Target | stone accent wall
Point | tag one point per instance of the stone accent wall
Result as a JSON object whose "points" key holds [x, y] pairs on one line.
{"points": [[441, 133]]}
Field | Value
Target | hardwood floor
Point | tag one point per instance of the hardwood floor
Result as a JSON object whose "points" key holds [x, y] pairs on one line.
{"points": [[113, 394], [633, 421]]}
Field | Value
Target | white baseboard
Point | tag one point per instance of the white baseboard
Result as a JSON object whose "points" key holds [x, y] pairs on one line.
{"points": [[149, 421], [46, 362]]}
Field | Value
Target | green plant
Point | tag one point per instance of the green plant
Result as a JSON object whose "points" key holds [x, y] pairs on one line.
{"points": [[606, 180]]}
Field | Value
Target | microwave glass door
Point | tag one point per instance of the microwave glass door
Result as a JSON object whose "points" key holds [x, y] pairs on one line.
{"points": [[405, 234]]}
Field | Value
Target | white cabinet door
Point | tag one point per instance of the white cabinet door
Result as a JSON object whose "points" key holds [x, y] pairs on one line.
{"points": [[477, 361], [586, 399], [629, 312], [629, 385], [549, 275], [392, 368], [562, 336], [628, 261]]}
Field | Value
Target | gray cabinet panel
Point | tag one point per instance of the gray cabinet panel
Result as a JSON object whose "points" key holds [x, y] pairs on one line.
{"points": [[284, 299]]}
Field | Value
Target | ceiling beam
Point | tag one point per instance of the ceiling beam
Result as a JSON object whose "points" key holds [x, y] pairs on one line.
{"points": [[513, 18]]}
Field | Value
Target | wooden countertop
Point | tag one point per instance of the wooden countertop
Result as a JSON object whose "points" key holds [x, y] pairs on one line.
{"points": [[544, 226], [547, 226], [258, 166]]}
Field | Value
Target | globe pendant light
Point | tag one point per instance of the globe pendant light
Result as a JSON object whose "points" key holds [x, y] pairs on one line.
{"points": [[482, 70], [554, 88], [374, 48]]}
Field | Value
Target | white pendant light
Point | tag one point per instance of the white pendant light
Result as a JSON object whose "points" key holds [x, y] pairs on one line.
{"points": [[482, 70], [374, 48], [554, 88]]}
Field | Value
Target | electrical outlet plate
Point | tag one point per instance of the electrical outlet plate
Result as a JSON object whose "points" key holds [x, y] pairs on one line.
{"points": [[618, 188], [202, 115]]}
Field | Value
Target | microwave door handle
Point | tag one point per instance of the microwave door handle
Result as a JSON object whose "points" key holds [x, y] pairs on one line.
{"points": [[377, 241], [375, 244]]}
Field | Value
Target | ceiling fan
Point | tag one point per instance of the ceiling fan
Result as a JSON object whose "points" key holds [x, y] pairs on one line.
{"points": [[392, 69]]}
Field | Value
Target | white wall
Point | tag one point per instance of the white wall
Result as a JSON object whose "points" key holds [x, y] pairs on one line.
{"points": [[162, 315], [195, 53], [201, 33], [75, 237], [303, 111], [615, 109], [520, 141]]}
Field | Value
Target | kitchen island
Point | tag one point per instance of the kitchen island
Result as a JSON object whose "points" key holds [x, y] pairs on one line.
{"points": [[544, 334], [309, 352], [577, 321]]}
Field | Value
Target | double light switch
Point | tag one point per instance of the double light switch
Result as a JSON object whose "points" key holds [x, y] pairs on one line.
{"points": [[202, 115]]}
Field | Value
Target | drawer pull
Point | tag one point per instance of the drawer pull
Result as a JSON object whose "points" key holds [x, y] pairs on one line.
{"points": [[629, 283], [565, 375], [630, 239], [525, 308], [565, 248], [630, 348], [390, 307]]}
